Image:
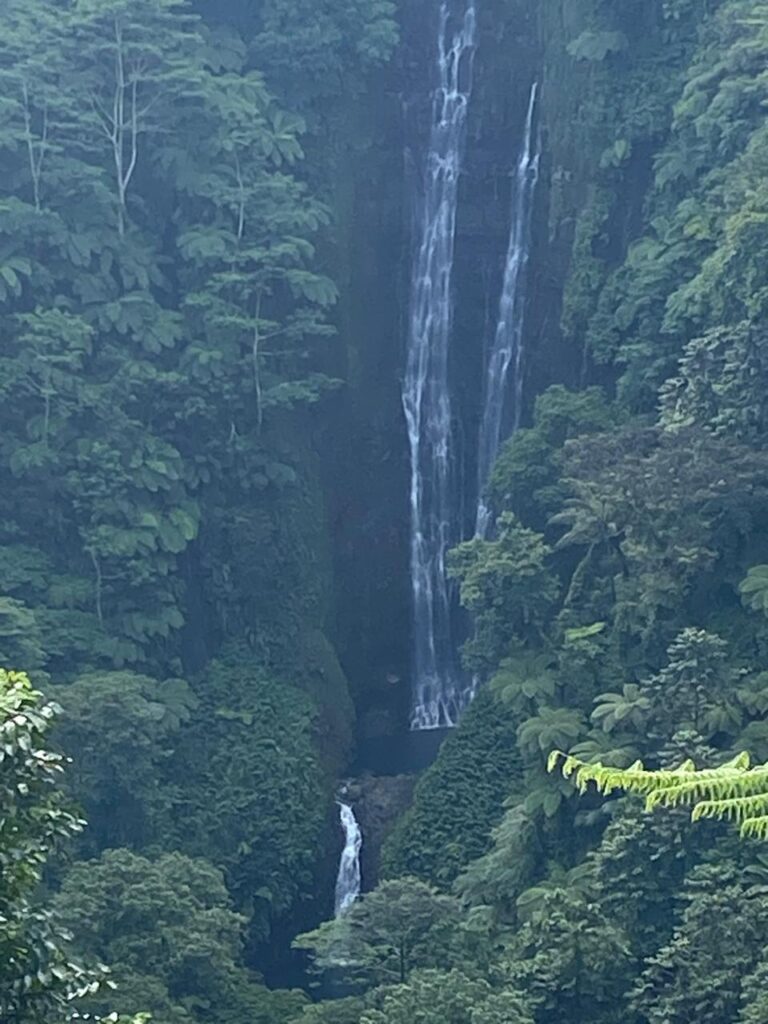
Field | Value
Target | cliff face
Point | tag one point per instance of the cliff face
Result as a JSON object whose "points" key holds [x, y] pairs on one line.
{"points": [[603, 111], [595, 70], [368, 447], [607, 78]]}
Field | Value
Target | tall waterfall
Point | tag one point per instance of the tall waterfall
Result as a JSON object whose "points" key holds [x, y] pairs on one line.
{"points": [[506, 353], [439, 690], [348, 880]]}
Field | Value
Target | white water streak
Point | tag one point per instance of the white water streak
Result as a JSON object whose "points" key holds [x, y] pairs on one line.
{"points": [[504, 373], [348, 881], [440, 692]]}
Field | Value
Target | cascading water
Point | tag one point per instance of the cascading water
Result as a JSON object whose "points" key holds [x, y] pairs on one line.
{"points": [[440, 693], [506, 354], [349, 880]]}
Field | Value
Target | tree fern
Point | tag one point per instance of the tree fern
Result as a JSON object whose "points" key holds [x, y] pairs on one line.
{"points": [[735, 791], [754, 589]]}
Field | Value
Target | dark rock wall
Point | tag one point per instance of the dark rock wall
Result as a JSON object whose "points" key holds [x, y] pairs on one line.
{"points": [[366, 451]]}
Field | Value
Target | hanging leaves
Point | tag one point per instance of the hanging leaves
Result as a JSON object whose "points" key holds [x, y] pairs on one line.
{"points": [[735, 791], [754, 589]]}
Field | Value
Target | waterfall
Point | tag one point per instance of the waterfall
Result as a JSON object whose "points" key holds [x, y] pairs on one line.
{"points": [[439, 690], [348, 879], [506, 354]]}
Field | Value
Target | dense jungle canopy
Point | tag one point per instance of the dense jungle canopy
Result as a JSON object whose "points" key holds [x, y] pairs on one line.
{"points": [[383, 409]]}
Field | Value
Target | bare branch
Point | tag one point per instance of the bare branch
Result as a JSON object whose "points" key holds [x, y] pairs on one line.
{"points": [[256, 367], [97, 570], [241, 199], [35, 151]]}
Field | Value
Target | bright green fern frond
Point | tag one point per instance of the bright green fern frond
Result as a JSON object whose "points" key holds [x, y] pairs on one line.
{"points": [[635, 779], [555, 758], [733, 792], [755, 828], [713, 785], [738, 809]]}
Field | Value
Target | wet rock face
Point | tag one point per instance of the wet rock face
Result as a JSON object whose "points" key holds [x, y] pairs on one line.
{"points": [[367, 466], [378, 802]]}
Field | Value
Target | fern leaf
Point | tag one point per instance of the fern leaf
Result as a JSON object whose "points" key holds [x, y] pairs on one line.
{"points": [[755, 828], [734, 791], [738, 809]]}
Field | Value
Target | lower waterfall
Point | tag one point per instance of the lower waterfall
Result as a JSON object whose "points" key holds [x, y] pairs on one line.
{"points": [[348, 880]]}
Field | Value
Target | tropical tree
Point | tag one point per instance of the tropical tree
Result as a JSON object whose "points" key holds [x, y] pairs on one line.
{"points": [[121, 784], [458, 802], [168, 929], [721, 383], [131, 63], [332, 45], [556, 958], [494, 881], [38, 978], [161, 301], [702, 972], [401, 925], [508, 587], [250, 791], [446, 997]]}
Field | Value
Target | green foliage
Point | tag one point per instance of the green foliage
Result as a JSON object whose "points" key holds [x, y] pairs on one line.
{"points": [[525, 478], [714, 949], [695, 271], [721, 383], [19, 635], [611, 111], [651, 526], [557, 960], [253, 796], [588, 267], [617, 710], [118, 782], [334, 1011], [458, 799], [161, 302], [37, 977], [525, 680], [734, 791], [329, 44], [435, 997], [651, 512], [494, 881], [552, 727], [636, 871], [695, 699], [754, 996], [168, 928], [164, 310], [402, 925], [754, 589], [603, 627], [507, 586]]}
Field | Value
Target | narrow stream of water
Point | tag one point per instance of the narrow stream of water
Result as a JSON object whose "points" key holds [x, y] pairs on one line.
{"points": [[440, 690], [349, 880]]}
